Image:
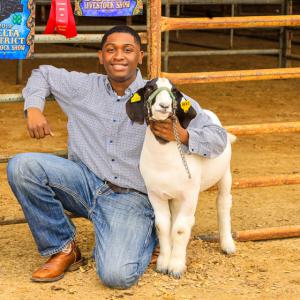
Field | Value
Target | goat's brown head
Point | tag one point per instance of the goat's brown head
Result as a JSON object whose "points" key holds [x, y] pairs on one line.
{"points": [[158, 100]]}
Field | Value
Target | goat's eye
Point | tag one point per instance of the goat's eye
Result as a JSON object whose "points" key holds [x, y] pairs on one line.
{"points": [[148, 91]]}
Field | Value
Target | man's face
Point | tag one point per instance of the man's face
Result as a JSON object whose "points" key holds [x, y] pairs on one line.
{"points": [[120, 56]]}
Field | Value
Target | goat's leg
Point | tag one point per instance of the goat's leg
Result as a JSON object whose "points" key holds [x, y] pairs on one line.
{"points": [[224, 202], [163, 229], [181, 231]]}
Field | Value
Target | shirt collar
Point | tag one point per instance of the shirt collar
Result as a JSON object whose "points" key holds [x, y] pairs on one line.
{"points": [[134, 86]]}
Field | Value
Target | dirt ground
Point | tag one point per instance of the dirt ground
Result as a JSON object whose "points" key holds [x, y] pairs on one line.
{"points": [[259, 270]]}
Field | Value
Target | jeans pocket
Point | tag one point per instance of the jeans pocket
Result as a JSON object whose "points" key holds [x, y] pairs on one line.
{"points": [[102, 190]]}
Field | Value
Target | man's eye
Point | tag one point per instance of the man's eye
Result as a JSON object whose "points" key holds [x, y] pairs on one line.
{"points": [[128, 50], [110, 50]]}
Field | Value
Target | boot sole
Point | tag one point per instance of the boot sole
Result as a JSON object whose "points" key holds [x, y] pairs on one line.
{"points": [[75, 266]]}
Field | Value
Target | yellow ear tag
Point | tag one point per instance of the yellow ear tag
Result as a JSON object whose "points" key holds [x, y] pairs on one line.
{"points": [[135, 98], [185, 105]]}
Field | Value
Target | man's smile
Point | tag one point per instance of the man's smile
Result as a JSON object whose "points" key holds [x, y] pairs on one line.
{"points": [[119, 67]]}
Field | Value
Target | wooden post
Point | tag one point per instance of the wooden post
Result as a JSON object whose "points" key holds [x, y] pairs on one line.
{"points": [[288, 36], [167, 39], [232, 30], [154, 38]]}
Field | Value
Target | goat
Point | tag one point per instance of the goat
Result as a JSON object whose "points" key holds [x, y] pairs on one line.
{"points": [[172, 194]]}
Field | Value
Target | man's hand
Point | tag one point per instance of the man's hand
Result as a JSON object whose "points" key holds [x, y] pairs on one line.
{"points": [[164, 130], [37, 124]]}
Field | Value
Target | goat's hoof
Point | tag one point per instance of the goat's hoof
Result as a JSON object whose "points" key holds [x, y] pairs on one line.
{"points": [[176, 268], [176, 275], [162, 271], [228, 247]]}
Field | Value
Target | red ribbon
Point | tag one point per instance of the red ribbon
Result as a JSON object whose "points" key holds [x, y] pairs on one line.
{"points": [[61, 19]]}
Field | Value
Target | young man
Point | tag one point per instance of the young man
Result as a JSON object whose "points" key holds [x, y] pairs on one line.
{"points": [[100, 180]]}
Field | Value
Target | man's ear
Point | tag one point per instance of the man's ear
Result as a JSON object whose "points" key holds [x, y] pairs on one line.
{"points": [[141, 56], [135, 107], [100, 57]]}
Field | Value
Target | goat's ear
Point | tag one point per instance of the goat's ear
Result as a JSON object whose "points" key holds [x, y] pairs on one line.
{"points": [[185, 110], [135, 107]]}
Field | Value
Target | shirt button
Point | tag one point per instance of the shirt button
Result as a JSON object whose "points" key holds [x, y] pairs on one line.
{"points": [[118, 100], [192, 149], [112, 159], [116, 177], [111, 141], [204, 154], [114, 120]]}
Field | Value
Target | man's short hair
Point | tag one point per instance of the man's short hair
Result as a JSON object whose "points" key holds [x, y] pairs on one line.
{"points": [[121, 28]]}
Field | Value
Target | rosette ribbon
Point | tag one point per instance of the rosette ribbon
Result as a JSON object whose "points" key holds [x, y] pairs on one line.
{"points": [[61, 19]]}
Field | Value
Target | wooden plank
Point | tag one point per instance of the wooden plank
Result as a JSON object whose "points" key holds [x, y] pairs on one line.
{"points": [[263, 181], [257, 234], [229, 22], [232, 76], [253, 129]]}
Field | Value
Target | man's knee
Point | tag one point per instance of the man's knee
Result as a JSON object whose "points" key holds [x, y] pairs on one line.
{"points": [[13, 168], [20, 166], [118, 277]]}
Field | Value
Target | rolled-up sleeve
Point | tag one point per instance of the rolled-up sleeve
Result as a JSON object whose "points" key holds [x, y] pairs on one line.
{"points": [[205, 137]]}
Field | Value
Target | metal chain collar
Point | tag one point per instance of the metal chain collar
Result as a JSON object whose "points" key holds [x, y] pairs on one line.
{"points": [[179, 146]]}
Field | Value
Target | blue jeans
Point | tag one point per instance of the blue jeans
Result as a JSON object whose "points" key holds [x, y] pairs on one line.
{"points": [[125, 236]]}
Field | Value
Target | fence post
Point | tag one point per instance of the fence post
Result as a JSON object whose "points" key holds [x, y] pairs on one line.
{"points": [[154, 38], [167, 39]]}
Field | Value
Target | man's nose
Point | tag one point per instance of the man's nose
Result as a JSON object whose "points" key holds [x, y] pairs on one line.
{"points": [[119, 54]]}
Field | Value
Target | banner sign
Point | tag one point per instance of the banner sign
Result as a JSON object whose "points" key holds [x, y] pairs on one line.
{"points": [[16, 29], [108, 8], [61, 19]]}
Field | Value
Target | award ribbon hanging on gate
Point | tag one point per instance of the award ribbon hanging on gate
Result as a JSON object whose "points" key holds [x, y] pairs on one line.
{"points": [[108, 8], [61, 19]]}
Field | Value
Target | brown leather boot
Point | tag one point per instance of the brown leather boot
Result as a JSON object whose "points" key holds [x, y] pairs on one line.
{"points": [[69, 259]]}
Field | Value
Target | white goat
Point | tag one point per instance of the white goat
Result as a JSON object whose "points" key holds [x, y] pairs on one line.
{"points": [[172, 194]]}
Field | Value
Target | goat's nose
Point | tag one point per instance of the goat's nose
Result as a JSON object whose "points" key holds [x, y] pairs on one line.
{"points": [[164, 105]]}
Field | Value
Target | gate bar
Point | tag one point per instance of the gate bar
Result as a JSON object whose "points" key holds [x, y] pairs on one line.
{"points": [[19, 220], [79, 38], [241, 183], [257, 234], [263, 181], [282, 127], [228, 22], [170, 53], [229, 76]]}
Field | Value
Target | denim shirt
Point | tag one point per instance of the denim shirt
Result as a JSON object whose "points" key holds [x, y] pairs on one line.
{"points": [[100, 134]]}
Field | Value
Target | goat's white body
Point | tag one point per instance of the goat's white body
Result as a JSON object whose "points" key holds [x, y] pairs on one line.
{"points": [[174, 196], [164, 173]]}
